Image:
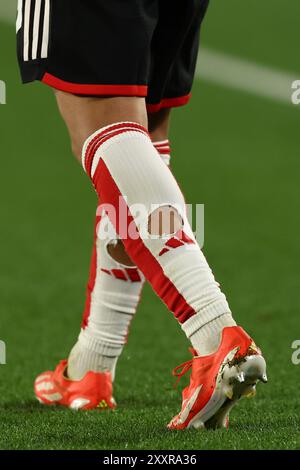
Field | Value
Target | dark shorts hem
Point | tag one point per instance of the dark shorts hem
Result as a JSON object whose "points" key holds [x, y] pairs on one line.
{"points": [[112, 48], [94, 89], [168, 103], [113, 90]]}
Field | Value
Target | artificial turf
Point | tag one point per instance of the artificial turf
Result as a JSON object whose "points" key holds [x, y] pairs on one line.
{"points": [[237, 154]]}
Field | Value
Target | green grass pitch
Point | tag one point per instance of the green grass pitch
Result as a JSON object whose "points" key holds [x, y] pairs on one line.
{"points": [[236, 153]]}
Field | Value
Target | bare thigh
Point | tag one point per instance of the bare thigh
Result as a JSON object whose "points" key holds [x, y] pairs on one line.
{"points": [[85, 115]]}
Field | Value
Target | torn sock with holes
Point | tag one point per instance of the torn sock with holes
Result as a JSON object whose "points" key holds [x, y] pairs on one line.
{"points": [[93, 351], [126, 170]]}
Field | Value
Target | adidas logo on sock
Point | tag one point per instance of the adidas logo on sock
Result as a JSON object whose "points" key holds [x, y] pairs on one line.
{"points": [[128, 274], [179, 239]]}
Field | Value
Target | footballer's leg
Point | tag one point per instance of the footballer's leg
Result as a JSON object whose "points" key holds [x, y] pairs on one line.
{"points": [[84, 381], [114, 290], [126, 171], [114, 287], [113, 293], [69, 47], [227, 368]]}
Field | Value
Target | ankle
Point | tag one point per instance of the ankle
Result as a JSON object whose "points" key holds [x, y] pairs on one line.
{"points": [[82, 360], [207, 339]]}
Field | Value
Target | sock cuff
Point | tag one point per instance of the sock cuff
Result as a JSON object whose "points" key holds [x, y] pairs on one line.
{"points": [[98, 138], [164, 150], [215, 327], [208, 314], [162, 146]]}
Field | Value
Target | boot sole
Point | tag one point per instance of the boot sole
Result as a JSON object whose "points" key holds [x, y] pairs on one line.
{"points": [[234, 381]]}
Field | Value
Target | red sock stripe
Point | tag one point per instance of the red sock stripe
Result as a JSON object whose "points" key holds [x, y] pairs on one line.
{"points": [[164, 152], [162, 144], [183, 236], [163, 148], [106, 271], [119, 274], [163, 251], [105, 135], [134, 274], [174, 243], [92, 279], [109, 193]]}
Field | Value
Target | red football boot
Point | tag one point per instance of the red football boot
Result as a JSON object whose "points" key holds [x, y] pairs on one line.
{"points": [[93, 391], [219, 380]]}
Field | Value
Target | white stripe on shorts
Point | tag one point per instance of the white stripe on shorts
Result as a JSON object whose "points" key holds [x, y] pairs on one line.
{"points": [[36, 28], [45, 42], [40, 28], [26, 29]]}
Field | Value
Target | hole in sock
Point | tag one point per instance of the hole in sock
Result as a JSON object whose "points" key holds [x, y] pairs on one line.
{"points": [[117, 252], [165, 220]]}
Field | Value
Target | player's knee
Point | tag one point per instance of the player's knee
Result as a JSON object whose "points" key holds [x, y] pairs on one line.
{"points": [[164, 220]]}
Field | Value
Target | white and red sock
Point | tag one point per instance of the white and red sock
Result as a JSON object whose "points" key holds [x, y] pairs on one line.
{"points": [[126, 170], [113, 294]]}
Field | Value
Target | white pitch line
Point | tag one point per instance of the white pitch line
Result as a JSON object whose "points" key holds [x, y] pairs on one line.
{"points": [[222, 69], [232, 72], [8, 9]]}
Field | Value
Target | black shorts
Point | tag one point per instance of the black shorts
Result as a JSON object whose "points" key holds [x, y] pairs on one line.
{"points": [[143, 48]]}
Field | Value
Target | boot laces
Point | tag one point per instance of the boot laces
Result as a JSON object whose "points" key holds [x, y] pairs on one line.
{"points": [[181, 370]]}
